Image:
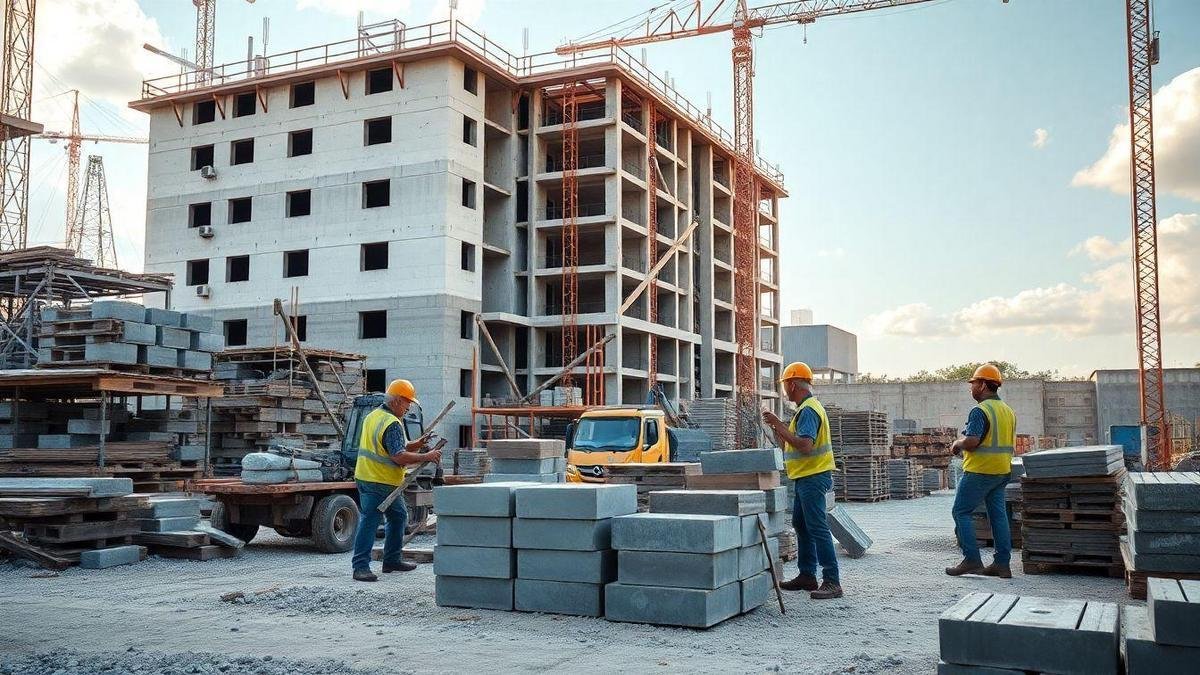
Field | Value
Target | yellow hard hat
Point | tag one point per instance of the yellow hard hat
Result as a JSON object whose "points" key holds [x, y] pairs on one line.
{"points": [[404, 389], [797, 370], [987, 372]]}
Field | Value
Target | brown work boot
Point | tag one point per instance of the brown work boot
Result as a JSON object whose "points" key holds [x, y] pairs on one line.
{"points": [[802, 582], [997, 570], [965, 567], [828, 591], [365, 575], [402, 566]]}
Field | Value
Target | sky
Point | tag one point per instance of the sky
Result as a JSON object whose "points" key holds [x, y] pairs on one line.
{"points": [[957, 170]]}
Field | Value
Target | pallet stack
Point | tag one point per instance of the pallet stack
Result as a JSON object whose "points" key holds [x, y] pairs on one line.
{"points": [[128, 337], [1162, 512], [1071, 515], [905, 479], [1012, 508], [933, 479], [859, 432], [861, 479], [718, 418], [528, 460], [929, 448], [650, 477]]}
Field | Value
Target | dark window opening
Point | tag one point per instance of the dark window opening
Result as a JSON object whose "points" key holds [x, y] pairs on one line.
{"points": [[466, 325], [379, 80], [373, 324], [204, 112], [468, 130], [197, 272], [200, 214], [522, 203], [235, 332], [464, 383], [244, 104], [299, 203], [295, 263], [468, 257], [468, 193], [374, 256], [300, 324], [377, 193], [237, 268], [239, 210], [241, 152], [522, 347], [304, 93], [300, 143], [202, 156], [523, 112], [376, 379], [470, 80], [377, 131]]}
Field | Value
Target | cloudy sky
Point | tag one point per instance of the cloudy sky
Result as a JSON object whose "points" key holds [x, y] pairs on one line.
{"points": [[958, 171]]}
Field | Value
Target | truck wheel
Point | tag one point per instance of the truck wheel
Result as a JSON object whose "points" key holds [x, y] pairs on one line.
{"points": [[220, 520], [334, 522], [296, 533]]}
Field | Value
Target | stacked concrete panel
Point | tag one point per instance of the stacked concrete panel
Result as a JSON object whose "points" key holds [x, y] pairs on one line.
{"points": [[532, 460], [562, 535], [1163, 636], [650, 477], [1162, 512], [474, 560], [749, 469]]}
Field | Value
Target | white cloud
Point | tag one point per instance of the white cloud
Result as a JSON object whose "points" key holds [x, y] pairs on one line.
{"points": [[1040, 138], [1101, 304], [1176, 144], [388, 9]]}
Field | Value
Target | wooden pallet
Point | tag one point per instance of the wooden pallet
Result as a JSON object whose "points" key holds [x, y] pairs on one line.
{"points": [[1115, 571]]}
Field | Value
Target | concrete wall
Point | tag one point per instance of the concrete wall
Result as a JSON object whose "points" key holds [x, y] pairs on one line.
{"points": [[937, 404], [1118, 396], [1070, 409], [821, 347]]}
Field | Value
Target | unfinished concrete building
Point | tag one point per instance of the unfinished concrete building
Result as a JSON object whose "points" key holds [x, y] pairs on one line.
{"points": [[411, 179]]}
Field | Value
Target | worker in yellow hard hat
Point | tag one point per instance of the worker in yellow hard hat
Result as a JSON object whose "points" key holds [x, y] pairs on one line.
{"points": [[808, 458], [384, 452], [987, 448]]}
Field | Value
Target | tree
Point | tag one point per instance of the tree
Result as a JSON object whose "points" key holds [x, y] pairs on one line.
{"points": [[962, 372]]}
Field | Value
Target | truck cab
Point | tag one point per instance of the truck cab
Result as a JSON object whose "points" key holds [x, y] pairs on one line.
{"points": [[616, 435]]}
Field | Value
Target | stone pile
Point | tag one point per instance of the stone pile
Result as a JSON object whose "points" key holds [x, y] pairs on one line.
{"points": [[531, 460]]}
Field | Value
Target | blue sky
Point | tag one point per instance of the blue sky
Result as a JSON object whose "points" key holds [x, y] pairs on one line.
{"points": [[921, 216]]}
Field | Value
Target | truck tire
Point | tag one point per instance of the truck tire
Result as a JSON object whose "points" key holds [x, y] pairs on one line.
{"points": [[220, 520], [334, 522]]}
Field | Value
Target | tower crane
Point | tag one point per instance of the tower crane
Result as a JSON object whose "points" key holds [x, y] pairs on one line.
{"points": [[16, 103]]}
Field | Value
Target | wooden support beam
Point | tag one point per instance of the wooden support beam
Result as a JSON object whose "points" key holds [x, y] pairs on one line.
{"points": [[662, 262], [261, 93], [291, 332], [219, 101], [344, 80], [487, 336], [398, 69], [177, 108], [567, 368]]}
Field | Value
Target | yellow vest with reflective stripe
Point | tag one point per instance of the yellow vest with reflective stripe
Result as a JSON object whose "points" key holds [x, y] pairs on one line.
{"points": [[799, 465], [374, 464], [995, 451]]}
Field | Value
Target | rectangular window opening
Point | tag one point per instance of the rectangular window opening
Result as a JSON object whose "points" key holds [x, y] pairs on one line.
{"points": [[300, 324], [241, 152], [376, 379], [202, 156], [245, 104], [295, 263], [470, 80], [377, 193], [379, 80], [377, 131], [468, 131], [299, 203], [466, 325], [204, 112], [237, 268], [374, 256], [468, 193], [197, 272], [464, 383], [300, 143], [200, 214], [372, 325], [468, 257], [239, 210], [303, 93], [235, 332]]}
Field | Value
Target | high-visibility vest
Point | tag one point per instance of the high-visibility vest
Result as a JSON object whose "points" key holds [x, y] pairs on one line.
{"points": [[374, 464], [798, 464], [995, 451]]}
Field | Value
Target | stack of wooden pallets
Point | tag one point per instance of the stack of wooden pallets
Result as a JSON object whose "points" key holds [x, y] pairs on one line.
{"points": [[861, 479], [929, 448], [905, 480], [717, 417]]}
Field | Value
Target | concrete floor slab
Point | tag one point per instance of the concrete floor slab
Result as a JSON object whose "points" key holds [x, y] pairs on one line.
{"points": [[576, 501]]}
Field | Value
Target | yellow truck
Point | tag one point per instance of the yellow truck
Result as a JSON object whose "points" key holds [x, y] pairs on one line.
{"points": [[616, 435]]}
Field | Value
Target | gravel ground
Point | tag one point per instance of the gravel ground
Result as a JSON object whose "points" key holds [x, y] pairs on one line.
{"points": [[301, 613]]}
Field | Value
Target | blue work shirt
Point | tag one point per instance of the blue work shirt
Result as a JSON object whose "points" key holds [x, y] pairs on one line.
{"points": [[809, 423], [977, 422], [394, 438]]}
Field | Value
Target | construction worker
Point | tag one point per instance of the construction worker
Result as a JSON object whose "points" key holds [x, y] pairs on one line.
{"points": [[808, 458], [384, 452], [987, 449]]}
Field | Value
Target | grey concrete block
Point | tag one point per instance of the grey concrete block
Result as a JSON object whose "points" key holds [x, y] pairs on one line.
{"points": [[685, 570], [525, 448], [749, 529], [94, 487], [169, 524], [175, 338], [777, 499], [474, 531], [110, 557], [188, 453], [1092, 460], [544, 465], [207, 342], [94, 427], [67, 440], [163, 317], [1144, 654], [161, 357], [1028, 633], [193, 360], [523, 478], [171, 507], [1172, 543], [847, 532], [690, 607], [558, 597], [474, 561], [274, 477], [496, 500], [1161, 521], [778, 522], [1164, 491], [10, 441], [755, 591], [576, 501], [473, 592], [588, 567], [955, 669], [200, 322], [1174, 611], [751, 460], [685, 533], [139, 333], [711, 502], [220, 536], [561, 535], [752, 560], [118, 309], [111, 352]]}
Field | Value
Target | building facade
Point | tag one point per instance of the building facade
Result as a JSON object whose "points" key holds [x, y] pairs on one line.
{"points": [[831, 352]]}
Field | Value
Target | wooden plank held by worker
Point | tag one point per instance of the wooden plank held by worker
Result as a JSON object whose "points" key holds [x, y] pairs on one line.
{"points": [[386, 503]]}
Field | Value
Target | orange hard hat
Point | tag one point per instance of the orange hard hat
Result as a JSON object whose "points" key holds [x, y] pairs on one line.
{"points": [[987, 372], [404, 389], [797, 370]]}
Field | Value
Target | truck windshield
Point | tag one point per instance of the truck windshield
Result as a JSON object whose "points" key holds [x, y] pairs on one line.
{"points": [[607, 433]]}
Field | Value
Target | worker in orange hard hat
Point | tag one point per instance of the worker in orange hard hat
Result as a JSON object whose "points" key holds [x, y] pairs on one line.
{"points": [[808, 458], [987, 447], [384, 453]]}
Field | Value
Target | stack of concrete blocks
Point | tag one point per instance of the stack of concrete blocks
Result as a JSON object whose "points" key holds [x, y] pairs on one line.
{"points": [[1010, 635], [1163, 636], [531, 460], [750, 469], [562, 534], [474, 562], [1162, 518], [169, 515], [847, 532]]}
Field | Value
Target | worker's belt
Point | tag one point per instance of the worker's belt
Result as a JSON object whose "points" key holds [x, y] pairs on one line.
{"points": [[994, 450], [369, 454]]}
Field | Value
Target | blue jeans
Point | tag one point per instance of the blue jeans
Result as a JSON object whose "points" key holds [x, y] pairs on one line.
{"points": [[973, 489], [370, 496], [813, 538]]}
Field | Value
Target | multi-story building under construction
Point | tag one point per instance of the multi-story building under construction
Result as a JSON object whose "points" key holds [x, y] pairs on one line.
{"points": [[411, 179]]}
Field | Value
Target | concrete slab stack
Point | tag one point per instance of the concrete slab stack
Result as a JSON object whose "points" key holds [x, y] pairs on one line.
{"points": [[749, 469], [1162, 512], [651, 477], [749, 505], [1163, 636], [562, 536], [474, 562], [534, 460], [1001, 633]]}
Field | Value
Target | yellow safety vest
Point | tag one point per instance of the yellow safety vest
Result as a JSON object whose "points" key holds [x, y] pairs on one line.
{"points": [[995, 451], [374, 464], [798, 464]]}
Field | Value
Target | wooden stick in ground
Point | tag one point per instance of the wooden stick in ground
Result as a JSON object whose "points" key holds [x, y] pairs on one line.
{"points": [[408, 480], [567, 368], [291, 331], [487, 335], [762, 533]]}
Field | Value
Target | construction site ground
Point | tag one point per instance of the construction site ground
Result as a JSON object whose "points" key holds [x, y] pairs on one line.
{"points": [[303, 614]]}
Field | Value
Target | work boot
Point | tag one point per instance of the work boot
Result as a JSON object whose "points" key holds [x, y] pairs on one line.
{"points": [[965, 567], [828, 591], [997, 570], [365, 575], [402, 566], [802, 582]]}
